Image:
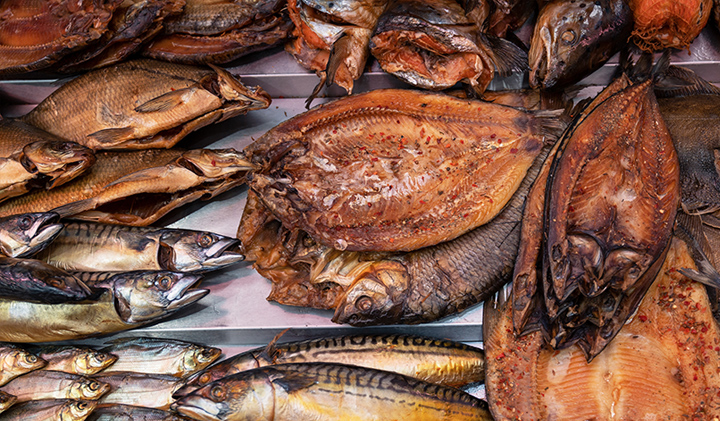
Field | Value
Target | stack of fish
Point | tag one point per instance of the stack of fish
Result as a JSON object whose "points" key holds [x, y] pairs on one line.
{"points": [[131, 378]]}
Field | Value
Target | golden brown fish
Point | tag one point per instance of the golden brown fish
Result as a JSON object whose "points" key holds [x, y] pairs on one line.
{"points": [[49, 384], [143, 104], [661, 24], [36, 33], [74, 359], [663, 363], [140, 389], [6, 401], [16, 361], [395, 169], [50, 409], [117, 188]]}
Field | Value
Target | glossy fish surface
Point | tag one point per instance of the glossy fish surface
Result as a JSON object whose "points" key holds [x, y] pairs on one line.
{"points": [[140, 389], [663, 362], [23, 235], [661, 24], [572, 39], [74, 359], [128, 301], [15, 361], [35, 280], [433, 360], [160, 356], [49, 384], [50, 409], [395, 169], [94, 247], [323, 391], [143, 104]]}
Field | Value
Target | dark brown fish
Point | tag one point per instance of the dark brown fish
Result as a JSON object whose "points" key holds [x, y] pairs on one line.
{"points": [[221, 31], [434, 46], [395, 169], [574, 38], [25, 234], [36, 33], [143, 104], [34, 280]]}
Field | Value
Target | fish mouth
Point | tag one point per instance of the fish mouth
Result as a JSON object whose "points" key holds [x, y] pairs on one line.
{"points": [[46, 227], [221, 254], [539, 59], [183, 294], [198, 408]]}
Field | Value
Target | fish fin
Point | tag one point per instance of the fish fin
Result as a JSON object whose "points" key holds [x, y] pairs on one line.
{"points": [[507, 57], [689, 229], [316, 91], [680, 81], [552, 122], [711, 220], [335, 59], [74, 208], [294, 381], [270, 352], [113, 136], [165, 101], [122, 307]]}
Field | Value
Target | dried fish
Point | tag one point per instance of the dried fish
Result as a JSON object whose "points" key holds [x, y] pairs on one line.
{"points": [[25, 234], [93, 247], [160, 356], [50, 409], [139, 187], [74, 359], [437, 361], [125, 303], [143, 104], [574, 38], [35, 280], [49, 384], [15, 361], [324, 391], [6, 401], [661, 24], [119, 412], [395, 169], [140, 389], [36, 33]]}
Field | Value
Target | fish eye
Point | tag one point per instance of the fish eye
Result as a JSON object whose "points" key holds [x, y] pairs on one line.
{"points": [[82, 405], [218, 393], [364, 303], [205, 378], [25, 222], [205, 240], [94, 386], [164, 282], [57, 283], [569, 36], [31, 358]]}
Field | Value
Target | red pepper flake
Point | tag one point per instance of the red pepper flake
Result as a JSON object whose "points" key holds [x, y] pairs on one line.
{"points": [[392, 240], [373, 159], [466, 215], [501, 356], [474, 185], [492, 136], [704, 329], [422, 202], [513, 150], [213, 163], [334, 131], [643, 318], [717, 349], [369, 204]]}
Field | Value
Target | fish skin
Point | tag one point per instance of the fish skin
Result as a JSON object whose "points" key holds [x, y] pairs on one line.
{"points": [[95, 247], [125, 302], [324, 391], [35, 280], [175, 99], [664, 24], [6, 401], [436, 361], [23, 235], [140, 389], [573, 39], [300, 179], [119, 412], [160, 356], [15, 361], [49, 384], [50, 409], [74, 359]]}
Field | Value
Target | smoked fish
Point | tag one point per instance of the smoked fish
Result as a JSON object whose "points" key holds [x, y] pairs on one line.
{"points": [[35, 280], [74, 359], [50, 409], [23, 235], [662, 24], [140, 389], [325, 391], [16, 361], [143, 104], [49, 384], [661, 365], [6, 401], [393, 170], [120, 412], [436, 361]]}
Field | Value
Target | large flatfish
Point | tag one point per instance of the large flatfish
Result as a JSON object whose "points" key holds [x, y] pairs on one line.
{"points": [[396, 170], [143, 104]]}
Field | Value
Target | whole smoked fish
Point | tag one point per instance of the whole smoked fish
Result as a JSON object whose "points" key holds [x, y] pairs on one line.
{"points": [[395, 169], [50, 409], [16, 361], [324, 391], [143, 104], [74, 359], [49, 384]]}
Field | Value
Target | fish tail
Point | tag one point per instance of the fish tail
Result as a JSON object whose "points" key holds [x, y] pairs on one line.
{"points": [[507, 57]]}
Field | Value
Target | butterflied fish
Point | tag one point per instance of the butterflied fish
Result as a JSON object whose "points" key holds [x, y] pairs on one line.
{"points": [[661, 24], [93, 247], [120, 412], [6, 401], [15, 361], [143, 104], [664, 360], [35, 280], [49, 384], [25, 234], [434, 46], [160, 356], [395, 169], [139, 187], [221, 31], [140, 389], [433, 360], [50, 409], [126, 301], [324, 391], [36, 33], [574, 38], [74, 359], [31, 158]]}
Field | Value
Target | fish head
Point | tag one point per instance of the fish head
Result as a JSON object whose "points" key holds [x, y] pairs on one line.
{"points": [[15, 359], [58, 161], [88, 389], [92, 361], [362, 14], [76, 410], [376, 296], [573, 38], [25, 234], [197, 251], [231, 89], [244, 396], [148, 295], [6, 400], [200, 357], [217, 163]]}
